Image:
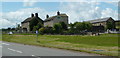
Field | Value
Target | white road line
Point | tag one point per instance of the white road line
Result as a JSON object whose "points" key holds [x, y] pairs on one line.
{"points": [[19, 51], [15, 50], [11, 49], [5, 44], [33, 55]]}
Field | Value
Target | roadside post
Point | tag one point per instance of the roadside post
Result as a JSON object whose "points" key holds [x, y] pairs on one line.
{"points": [[36, 35]]}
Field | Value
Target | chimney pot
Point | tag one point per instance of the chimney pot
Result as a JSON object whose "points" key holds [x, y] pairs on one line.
{"points": [[36, 14], [58, 13], [47, 16], [32, 15]]}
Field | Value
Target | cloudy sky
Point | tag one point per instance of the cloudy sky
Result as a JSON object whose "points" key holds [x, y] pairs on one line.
{"points": [[14, 13]]}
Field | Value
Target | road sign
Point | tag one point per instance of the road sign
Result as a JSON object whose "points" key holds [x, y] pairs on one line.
{"points": [[36, 35]]}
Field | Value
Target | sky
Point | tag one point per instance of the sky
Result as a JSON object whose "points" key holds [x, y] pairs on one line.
{"points": [[14, 13]]}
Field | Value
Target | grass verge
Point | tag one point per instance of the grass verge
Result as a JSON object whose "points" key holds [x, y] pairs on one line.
{"points": [[108, 43]]}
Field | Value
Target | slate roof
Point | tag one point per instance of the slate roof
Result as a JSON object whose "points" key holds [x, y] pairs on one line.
{"points": [[51, 18], [99, 20], [30, 18], [27, 20], [117, 21]]}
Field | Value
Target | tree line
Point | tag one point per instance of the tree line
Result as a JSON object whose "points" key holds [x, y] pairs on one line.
{"points": [[62, 28]]}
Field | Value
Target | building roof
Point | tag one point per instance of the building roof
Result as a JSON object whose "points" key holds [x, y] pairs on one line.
{"points": [[51, 18], [27, 20], [99, 20], [117, 21], [30, 18]]}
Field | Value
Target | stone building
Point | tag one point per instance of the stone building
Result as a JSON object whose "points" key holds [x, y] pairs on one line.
{"points": [[25, 25], [117, 23], [102, 21], [50, 21]]}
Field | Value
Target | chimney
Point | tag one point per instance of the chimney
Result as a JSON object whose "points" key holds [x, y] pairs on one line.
{"points": [[58, 13], [47, 16], [36, 14], [32, 15]]}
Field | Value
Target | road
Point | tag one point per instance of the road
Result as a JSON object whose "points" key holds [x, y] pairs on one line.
{"points": [[15, 49]]}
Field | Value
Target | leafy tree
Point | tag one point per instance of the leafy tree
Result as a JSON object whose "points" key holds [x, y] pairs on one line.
{"points": [[12, 28], [49, 30], [87, 25], [64, 26], [71, 25], [57, 28], [42, 30], [81, 26], [35, 22], [110, 25], [39, 25], [78, 26], [71, 28], [9, 28], [35, 28], [75, 23]]}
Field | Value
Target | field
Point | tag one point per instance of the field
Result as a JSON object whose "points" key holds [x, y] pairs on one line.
{"points": [[105, 44]]}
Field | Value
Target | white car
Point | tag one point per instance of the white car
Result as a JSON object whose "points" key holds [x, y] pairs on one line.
{"points": [[10, 33]]}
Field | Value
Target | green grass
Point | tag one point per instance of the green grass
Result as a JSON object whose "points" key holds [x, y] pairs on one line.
{"points": [[0, 37], [102, 40], [106, 42]]}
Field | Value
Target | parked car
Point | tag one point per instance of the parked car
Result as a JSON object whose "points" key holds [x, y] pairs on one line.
{"points": [[10, 33]]}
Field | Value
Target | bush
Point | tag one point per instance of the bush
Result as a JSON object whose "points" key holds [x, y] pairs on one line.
{"points": [[57, 28], [42, 30]]}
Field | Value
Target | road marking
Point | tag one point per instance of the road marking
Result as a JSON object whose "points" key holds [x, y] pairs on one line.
{"points": [[15, 50], [33, 55], [19, 51], [5, 44], [11, 49]]}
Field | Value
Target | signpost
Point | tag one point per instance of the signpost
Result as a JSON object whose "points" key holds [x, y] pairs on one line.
{"points": [[36, 35]]}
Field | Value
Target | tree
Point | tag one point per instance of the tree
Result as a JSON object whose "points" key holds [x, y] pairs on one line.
{"points": [[35, 22], [35, 28], [57, 28], [42, 30], [9, 28], [71, 28], [82, 26], [87, 26], [78, 26], [39, 25], [64, 26], [110, 25], [12, 28]]}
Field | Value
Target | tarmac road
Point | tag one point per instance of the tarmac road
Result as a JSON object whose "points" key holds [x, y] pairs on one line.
{"points": [[15, 49]]}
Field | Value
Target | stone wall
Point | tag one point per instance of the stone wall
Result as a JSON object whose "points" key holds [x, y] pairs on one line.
{"points": [[61, 19], [104, 23], [26, 25], [57, 19], [48, 23], [99, 24]]}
